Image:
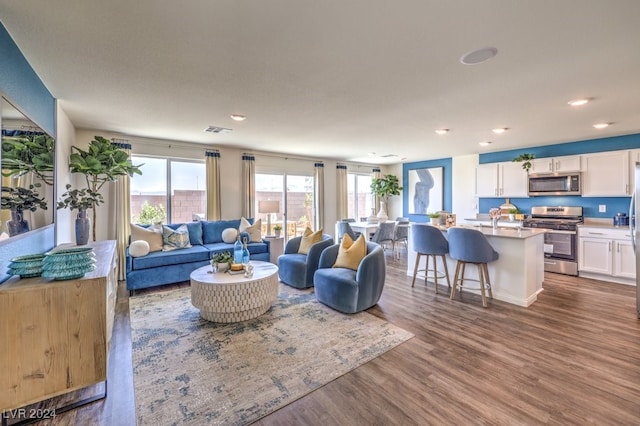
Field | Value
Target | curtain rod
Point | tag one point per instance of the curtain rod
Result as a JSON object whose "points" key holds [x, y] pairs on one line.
{"points": [[293, 157]]}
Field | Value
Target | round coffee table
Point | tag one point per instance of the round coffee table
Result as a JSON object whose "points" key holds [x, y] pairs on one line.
{"points": [[222, 297]]}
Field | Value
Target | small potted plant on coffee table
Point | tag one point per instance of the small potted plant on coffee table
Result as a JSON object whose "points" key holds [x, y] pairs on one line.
{"points": [[220, 262]]}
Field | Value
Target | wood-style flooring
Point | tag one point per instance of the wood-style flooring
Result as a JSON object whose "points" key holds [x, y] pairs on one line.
{"points": [[571, 358]]}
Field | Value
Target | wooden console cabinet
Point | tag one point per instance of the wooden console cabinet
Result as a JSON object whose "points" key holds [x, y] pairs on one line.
{"points": [[55, 335]]}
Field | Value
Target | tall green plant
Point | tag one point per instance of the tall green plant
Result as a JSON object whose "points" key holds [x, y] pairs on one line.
{"points": [[32, 153], [102, 162], [386, 186]]}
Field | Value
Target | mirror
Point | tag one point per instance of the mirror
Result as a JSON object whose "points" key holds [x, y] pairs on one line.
{"points": [[27, 158]]}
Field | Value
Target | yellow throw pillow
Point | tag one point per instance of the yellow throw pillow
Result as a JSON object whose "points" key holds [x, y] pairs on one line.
{"points": [[309, 238], [351, 253], [152, 235], [254, 231]]}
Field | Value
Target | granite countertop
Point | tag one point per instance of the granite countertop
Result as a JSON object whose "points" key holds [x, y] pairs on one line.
{"points": [[594, 222], [504, 232]]}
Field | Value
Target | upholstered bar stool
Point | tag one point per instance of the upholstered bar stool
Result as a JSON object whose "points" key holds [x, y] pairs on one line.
{"points": [[471, 246], [428, 241]]}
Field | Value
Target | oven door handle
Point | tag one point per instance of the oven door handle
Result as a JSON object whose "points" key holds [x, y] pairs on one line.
{"points": [[558, 231]]}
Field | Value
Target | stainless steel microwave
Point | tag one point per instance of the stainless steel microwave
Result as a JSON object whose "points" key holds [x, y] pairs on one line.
{"points": [[554, 184]]}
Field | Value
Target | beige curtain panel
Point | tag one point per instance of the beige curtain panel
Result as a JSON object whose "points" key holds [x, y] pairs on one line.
{"points": [[342, 196], [214, 209]]}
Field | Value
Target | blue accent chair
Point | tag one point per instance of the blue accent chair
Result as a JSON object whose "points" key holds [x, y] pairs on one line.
{"points": [[471, 246], [428, 241], [295, 269], [346, 290]]}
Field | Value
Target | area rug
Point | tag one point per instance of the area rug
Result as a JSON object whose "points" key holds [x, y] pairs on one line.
{"points": [[191, 371]]}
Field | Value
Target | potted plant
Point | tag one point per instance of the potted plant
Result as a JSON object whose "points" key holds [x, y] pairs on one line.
{"points": [[435, 218], [18, 200], [512, 214], [102, 162], [276, 230], [221, 261], [384, 188], [32, 153], [81, 200], [525, 159]]}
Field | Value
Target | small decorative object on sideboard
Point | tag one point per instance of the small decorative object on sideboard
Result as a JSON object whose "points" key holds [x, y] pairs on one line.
{"points": [[512, 214], [26, 266], [68, 263]]}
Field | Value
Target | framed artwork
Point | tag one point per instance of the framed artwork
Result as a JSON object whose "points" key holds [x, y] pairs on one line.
{"points": [[425, 190]]}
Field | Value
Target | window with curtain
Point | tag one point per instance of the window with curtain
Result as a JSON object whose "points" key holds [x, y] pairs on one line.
{"points": [[169, 190], [360, 199]]}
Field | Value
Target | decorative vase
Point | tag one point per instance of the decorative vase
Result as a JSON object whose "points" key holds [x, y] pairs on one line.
{"points": [[17, 224], [435, 221], [83, 225], [382, 213]]}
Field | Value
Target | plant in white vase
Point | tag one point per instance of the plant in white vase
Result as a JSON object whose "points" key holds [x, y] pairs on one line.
{"points": [[384, 188]]}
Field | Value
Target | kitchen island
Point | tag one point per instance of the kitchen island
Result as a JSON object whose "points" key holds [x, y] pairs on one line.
{"points": [[517, 275]]}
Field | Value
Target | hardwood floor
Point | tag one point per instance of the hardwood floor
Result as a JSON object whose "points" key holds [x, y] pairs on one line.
{"points": [[573, 357]]}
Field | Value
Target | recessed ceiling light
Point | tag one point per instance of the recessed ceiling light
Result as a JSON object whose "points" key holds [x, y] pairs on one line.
{"points": [[601, 125], [499, 130], [238, 117], [579, 102], [442, 131], [478, 56], [487, 143]]}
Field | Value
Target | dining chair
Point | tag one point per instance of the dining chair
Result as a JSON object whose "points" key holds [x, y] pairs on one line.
{"points": [[385, 234]]}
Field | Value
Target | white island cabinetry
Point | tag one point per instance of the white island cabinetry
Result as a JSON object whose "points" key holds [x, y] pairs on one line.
{"points": [[517, 276]]}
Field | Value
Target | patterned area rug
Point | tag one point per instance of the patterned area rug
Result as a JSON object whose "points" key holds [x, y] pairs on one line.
{"points": [[191, 371]]}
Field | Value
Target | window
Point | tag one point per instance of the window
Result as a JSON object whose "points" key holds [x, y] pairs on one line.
{"points": [[359, 195], [296, 203], [169, 190]]}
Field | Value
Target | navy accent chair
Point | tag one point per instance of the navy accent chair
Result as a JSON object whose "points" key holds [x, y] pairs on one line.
{"points": [[295, 269], [346, 290], [471, 246], [428, 241], [345, 228]]}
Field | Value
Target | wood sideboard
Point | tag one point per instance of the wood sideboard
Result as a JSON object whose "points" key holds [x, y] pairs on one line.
{"points": [[55, 335]]}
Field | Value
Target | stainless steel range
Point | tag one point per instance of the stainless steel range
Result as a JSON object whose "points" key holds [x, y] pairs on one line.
{"points": [[560, 241]]}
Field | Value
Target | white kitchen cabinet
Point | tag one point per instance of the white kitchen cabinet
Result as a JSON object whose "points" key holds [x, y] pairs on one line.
{"points": [[506, 179], [606, 254], [566, 163], [606, 174]]}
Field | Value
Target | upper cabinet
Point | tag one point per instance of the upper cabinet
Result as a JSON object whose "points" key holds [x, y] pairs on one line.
{"points": [[567, 163], [606, 174], [506, 179]]}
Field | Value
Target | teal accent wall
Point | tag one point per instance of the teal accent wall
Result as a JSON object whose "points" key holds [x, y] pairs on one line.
{"points": [[20, 83], [590, 204], [446, 164]]}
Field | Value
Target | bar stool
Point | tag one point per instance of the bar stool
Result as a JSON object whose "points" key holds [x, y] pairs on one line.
{"points": [[428, 240], [471, 246]]}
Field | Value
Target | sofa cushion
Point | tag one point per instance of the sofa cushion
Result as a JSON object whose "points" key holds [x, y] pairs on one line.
{"points": [[309, 238], [351, 253], [195, 231], [166, 258], [173, 239], [212, 230], [254, 231], [151, 234], [139, 248], [254, 248], [229, 235]]}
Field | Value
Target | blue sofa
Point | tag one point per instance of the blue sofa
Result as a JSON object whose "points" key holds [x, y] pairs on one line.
{"points": [[166, 267]]}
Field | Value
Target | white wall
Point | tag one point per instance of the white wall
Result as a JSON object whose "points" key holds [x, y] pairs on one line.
{"points": [[464, 203], [65, 138]]}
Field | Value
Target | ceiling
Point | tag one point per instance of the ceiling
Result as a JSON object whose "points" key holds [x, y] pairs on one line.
{"points": [[338, 79]]}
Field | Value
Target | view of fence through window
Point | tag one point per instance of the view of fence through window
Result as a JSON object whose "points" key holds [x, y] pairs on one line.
{"points": [[183, 180], [360, 199], [299, 201]]}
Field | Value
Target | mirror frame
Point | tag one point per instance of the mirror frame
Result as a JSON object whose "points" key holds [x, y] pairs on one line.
{"points": [[50, 189]]}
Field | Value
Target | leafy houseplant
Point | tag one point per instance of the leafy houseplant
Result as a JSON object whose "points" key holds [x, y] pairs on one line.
{"points": [[221, 258], [32, 153], [384, 188], [102, 162], [435, 218], [80, 199], [21, 199], [525, 159], [277, 229]]}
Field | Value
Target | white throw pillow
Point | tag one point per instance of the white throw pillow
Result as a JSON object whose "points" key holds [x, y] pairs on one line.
{"points": [[229, 235], [254, 231], [139, 248]]}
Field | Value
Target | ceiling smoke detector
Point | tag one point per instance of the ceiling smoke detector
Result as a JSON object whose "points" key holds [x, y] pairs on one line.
{"points": [[217, 129]]}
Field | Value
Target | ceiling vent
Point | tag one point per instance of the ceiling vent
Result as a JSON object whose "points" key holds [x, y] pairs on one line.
{"points": [[217, 129], [388, 155]]}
